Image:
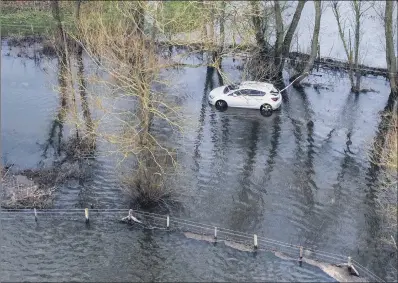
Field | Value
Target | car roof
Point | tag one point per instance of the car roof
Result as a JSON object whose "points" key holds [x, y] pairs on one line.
{"points": [[256, 85]]}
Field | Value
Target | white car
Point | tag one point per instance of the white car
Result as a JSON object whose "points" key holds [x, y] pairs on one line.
{"points": [[247, 94]]}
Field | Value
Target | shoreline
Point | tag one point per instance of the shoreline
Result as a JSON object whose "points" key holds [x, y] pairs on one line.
{"points": [[47, 49]]}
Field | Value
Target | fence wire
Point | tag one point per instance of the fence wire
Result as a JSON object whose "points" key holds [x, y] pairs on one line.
{"points": [[200, 231]]}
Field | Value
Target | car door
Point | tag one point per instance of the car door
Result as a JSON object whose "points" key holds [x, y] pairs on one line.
{"points": [[256, 98], [243, 98], [236, 99]]}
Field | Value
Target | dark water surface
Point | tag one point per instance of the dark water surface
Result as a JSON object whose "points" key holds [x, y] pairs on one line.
{"points": [[289, 177]]}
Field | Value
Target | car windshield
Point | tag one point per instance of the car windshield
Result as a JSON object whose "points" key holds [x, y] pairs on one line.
{"points": [[228, 88]]}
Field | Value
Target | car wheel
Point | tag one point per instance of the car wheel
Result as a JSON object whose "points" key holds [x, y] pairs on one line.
{"points": [[266, 110], [221, 105]]}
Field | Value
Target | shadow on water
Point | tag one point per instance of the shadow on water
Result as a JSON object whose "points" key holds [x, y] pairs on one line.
{"points": [[57, 125], [83, 94], [248, 207], [209, 83], [71, 152], [347, 166], [304, 162], [273, 152], [220, 148], [374, 222]]}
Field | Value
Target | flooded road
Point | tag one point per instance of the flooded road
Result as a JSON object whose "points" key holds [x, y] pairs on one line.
{"points": [[300, 176]]}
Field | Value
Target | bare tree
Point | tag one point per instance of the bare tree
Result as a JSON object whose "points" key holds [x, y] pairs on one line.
{"points": [[260, 25], [134, 65], [359, 8], [59, 31], [314, 45], [284, 40], [204, 21], [222, 25], [390, 56]]}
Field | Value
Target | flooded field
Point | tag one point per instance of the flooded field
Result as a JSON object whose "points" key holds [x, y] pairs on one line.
{"points": [[301, 176]]}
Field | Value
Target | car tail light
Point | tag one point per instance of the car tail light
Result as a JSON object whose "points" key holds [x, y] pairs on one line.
{"points": [[274, 98]]}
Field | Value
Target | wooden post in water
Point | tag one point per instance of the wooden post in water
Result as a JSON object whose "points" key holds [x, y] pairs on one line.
{"points": [[301, 256], [34, 210], [130, 214], [351, 269], [255, 242], [86, 214]]}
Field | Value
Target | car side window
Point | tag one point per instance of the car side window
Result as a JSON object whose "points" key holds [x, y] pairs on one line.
{"points": [[257, 93], [245, 92], [235, 93]]}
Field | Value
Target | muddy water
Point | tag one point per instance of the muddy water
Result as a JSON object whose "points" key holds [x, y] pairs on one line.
{"points": [[300, 176]]}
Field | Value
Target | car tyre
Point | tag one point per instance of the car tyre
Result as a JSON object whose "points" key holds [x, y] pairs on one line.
{"points": [[221, 105], [266, 110]]}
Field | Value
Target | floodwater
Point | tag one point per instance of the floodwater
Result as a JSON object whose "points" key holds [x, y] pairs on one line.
{"points": [[301, 176]]}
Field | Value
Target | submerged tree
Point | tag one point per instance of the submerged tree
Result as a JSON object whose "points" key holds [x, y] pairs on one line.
{"points": [[134, 66], [260, 20], [390, 57], [314, 45], [284, 38], [359, 8]]}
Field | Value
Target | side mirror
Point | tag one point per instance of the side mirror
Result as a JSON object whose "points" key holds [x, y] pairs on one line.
{"points": [[234, 94]]}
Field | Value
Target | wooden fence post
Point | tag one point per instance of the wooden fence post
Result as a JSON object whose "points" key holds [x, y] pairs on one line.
{"points": [[86, 214], [301, 256]]}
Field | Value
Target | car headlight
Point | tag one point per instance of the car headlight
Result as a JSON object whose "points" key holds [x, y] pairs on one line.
{"points": [[211, 96]]}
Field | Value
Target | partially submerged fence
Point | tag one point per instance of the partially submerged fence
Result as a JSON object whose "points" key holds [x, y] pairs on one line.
{"points": [[342, 268]]}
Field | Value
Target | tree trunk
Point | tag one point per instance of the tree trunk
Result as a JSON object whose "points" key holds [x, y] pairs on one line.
{"points": [[357, 87], [222, 25], [314, 46], [82, 92], [390, 56], [279, 33], [154, 27], [258, 23], [283, 48], [292, 28], [59, 36], [218, 53], [77, 9], [204, 20], [80, 76], [79, 49], [347, 48], [211, 22]]}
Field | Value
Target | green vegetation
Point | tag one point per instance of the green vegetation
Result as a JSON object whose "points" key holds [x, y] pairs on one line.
{"points": [[35, 18], [30, 18], [389, 161], [182, 16]]}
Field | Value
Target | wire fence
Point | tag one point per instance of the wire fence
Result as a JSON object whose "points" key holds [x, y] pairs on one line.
{"points": [[199, 231]]}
